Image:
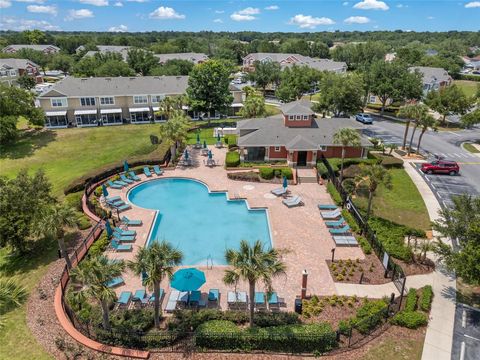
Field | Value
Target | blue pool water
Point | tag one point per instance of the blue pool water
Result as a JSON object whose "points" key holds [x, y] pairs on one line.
{"points": [[201, 224]]}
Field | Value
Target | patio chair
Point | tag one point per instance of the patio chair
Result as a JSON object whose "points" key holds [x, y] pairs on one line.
{"points": [[331, 215], [327, 207], [123, 238], [120, 182], [279, 191], [237, 300], [345, 240], [114, 186], [273, 303], [119, 247], [125, 179], [139, 295], [133, 176], [115, 282], [122, 207], [113, 198], [116, 202], [342, 230], [124, 298], [124, 232], [194, 298], [259, 300], [336, 223], [149, 300], [147, 172], [157, 170], [172, 301], [214, 295], [293, 201], [129, 222]]}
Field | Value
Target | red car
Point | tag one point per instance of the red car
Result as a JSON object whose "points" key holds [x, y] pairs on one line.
{"points": [[441, 167]]}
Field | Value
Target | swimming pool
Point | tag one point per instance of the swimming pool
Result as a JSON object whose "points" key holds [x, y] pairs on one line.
{"points": [[200, 223]]}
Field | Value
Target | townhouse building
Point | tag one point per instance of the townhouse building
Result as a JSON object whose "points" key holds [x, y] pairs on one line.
{"points": [[12, 69], [46, 49], [286, 60]]}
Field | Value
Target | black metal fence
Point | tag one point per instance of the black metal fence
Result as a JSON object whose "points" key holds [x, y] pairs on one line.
{"points": [[392, 270]]}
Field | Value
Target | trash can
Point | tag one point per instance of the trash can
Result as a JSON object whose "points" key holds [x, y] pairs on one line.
{"points": [[298, 306]]}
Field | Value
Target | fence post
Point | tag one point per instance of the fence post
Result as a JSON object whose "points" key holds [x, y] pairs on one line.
{"points": [[401, 293]]}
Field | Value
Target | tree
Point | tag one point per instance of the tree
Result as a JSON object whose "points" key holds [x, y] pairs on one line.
{"points": [[449, 100], [296, 81], [173, 131], [22, 199], [254, 106], [372, 176], [94, 274], [141, 61], [12, 294], [253, 263], [470, 119], [424, 122], [172, 105], [8, 129], [34, 36], [38, 57], [114, 68], [86, 67], [61, 62], [52, 222], [266, 73], [208, 87], [394, 81], [26, 82], [173, 67], [461, 222], [346, 137], [154, 263], [360, 56], [411, 112]]}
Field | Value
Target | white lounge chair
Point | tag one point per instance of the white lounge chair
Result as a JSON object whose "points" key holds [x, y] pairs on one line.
{"points": [[279, 191], [172, 301], [342, 240], [293, 201], [331, 214]]}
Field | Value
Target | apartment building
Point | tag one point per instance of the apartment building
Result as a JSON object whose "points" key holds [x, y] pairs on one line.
{"points": [[12, 69], [105, 49], [433, 78], [47, 49], [286, 60], [196, 58]]}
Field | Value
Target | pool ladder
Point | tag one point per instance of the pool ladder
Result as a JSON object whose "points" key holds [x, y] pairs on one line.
{"points": [[209, 264]]}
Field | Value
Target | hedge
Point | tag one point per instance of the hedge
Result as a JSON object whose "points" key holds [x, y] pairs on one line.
{"points": [[74, 200], [469, 77], [267, 173], [365, 245], [411, 300], [287, 172], [99, 246], [322, 170], [334, 194], [350, 220], [410, 319], [387, 161], [426, 298], [244, 176], [369, 315], [392, 236], [232, 159]]}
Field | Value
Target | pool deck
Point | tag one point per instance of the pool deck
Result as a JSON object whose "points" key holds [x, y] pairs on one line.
{"points": [[300, 230]]}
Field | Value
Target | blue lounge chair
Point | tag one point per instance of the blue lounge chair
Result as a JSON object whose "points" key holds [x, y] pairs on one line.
{"points": [[293, 201], [123, 238], [119, 247], [151, 298], [336, 223], [119, 182], [327, 207], [195, 297], [129, 222], [124, 232], [273, 299], [113, 186], [139, 295], [259, 298], [116, 202], [133, 176], [331, 215], [342, 230], [345, 240], [147, 172], [279, 191], [124, 298], [157, 170], [113, 198], [122, 206], [115, 282], [213, 295], [125, 179]]}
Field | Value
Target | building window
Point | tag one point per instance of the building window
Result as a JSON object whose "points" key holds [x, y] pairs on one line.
{"points": [[277, 148], [13, 73], [373, 99], [305, 117], [59, 102], [107, 100], [140, 99], [291, 117], [87, 101], [322, 148], [157, 98], [299, 117]]}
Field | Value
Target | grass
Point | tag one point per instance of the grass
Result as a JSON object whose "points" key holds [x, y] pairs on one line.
{"points": [[397, 347], [402, 204], [205, 134], [468, 294], [471, 148], [468, 87], [70, 153]]}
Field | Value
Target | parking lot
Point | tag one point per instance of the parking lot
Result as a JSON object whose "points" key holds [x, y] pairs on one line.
{"points": [[466, 336]]}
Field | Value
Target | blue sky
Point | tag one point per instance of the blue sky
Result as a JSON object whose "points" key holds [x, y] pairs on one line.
{"points": [[266, 16]]}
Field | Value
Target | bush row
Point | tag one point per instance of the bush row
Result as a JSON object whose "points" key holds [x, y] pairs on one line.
{"points": [[410, 319], [251, 176], [100, 245], [426, 298], [232, 159], [269, 173], [411, 300], [337, 199], [387, 161]]}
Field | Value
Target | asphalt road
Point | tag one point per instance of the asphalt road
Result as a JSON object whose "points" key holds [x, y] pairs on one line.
{"points": [[466, 333]]}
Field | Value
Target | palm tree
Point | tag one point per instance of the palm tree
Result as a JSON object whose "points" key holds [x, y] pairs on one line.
{"points": [[172, 105], [373, 176], [346, 137], [391, 147], [252, 263], [174, 131], [410, 113], [93, 275], [11, 294], [155, 263], [52, 222], [425, 122]]}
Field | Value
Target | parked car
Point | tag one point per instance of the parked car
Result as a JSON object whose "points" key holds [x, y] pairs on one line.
{"points": [[364, 118], [441, 167]]}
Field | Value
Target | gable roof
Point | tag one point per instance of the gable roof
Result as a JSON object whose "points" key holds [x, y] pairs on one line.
{"points": [[299, 107], [193, 57], [17, 63], [432, 74], [286, 59], [33, 47]]}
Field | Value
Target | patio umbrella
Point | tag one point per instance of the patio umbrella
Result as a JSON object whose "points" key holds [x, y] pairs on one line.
{"points": [[125, 166], [189, 279], [186, 154], [198, 138], [210, 155], [285, 182], [108, 228], [104, 190], [204, 144]]}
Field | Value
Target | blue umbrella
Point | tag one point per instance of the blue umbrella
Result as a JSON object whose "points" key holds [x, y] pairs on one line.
{"points": [[204, 144], [104, 190], [125, 166], [108, 228], [186, 154], [189, 279], [285, 182], [210, 155]]}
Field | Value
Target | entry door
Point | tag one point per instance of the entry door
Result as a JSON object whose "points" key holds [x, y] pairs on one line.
{"points": [[302, 158]]}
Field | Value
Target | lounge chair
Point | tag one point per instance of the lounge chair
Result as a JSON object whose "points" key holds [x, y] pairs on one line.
{"points": [[345, 241], [273, 300], [119, 247], [123, 238], [116, 202], [139, 295], [129, 222], [125, 179], [327, 207], [259, 300], [279, 191], [336, 223], [121, 206], [120, 182], [237, 299], [293, 201], [194, 298], [114, 186], [213, 295], [147, 172], [157, 170], [124, 298], [113, 198], [331, 215], [124, 232], [133, 176], [151, 298], [172, 301], [342, 230], [115, 282]]}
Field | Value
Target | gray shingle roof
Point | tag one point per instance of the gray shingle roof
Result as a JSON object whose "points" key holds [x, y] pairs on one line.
{"points": [[33, 47], [299, 107], [17, 63], [193, 57], [432, 74], [119, 86], [300, 60], [272, 132]]}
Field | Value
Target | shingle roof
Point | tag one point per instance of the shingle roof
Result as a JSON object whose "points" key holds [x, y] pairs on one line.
{"points": [[318, 64], [272, 132], [119, 86], [432, 74], [33, 47], [193, 57], [17, 63], [299, 107]]}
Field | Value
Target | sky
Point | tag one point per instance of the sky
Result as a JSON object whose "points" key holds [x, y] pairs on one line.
{"points": [[239, 15]]}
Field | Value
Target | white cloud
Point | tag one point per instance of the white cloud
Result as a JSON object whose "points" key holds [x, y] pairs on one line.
{"points": [[245, 14], [310, 22], [430, 17], [79, 14], [473, 4], [218, 21], [138, 1], [357, 20], [5, 4], [219, 11], [249, 11], [31, 1], [95, 2], [401, 6], [345, 3], [371, 5], [42, 9], [165, 13], [272, 7], [119, 28], [118, 4], [12, 23]]}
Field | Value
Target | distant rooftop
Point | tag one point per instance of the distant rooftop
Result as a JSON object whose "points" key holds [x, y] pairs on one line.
{"points": [[193, 57]]}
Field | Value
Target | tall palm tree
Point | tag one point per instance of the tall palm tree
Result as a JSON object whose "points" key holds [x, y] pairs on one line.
{"points": [[174, 131], [93, 275], [373, 176], [346, 137], [411, 112], [52, 222], [155, 263], [252, 264], [172, 105], [425, 122]]}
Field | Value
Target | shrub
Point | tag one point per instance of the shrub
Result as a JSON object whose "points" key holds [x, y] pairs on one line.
{"points": [[244, 176], [344, 327], [74, 200], [387, 161], [369, 315], [287, 172], [411, 300], [266, 173], [322, 170], [99, 246], [83, 222], [231, 140], [218, 334], [132, 320], [98, 191], [365, 245], [334, 194], [265, 319], [232, 159], [410, 319], [392, 236], [350, 221], [426, 298]]}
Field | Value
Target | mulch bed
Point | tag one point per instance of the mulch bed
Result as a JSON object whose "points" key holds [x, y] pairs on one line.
{"points": [[416, 268], [372, 268]]}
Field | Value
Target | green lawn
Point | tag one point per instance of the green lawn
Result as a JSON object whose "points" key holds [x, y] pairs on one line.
{"points": [[205, 134], [402, 204], [468, 87], [471, 148], [397, 347]]}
